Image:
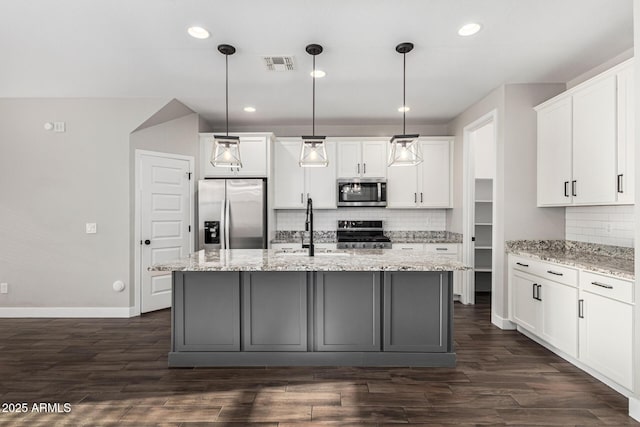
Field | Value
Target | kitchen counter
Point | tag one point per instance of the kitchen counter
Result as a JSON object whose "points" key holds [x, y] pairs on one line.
{"points": [[253, 307], [336, 260], [612, 260]]}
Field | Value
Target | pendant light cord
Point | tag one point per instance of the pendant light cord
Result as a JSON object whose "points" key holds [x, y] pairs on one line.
{"points": [[313, 108], [226, 101], [404, 91]]}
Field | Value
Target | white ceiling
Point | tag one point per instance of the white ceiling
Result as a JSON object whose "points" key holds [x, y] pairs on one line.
{"points": [[140, 48]]}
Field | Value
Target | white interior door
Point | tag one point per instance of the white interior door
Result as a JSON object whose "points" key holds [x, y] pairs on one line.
{"points": [[165, 209]]}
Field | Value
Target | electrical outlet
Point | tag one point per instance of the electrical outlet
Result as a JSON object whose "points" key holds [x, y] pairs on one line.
{"points": [[4, 288], [59, 127], [91, 228]]}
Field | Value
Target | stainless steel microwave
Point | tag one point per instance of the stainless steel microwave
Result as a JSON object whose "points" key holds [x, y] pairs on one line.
{"points": [[362, 192]]}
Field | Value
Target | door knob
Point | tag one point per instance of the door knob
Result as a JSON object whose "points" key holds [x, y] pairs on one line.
{"points": [[147, 242]]}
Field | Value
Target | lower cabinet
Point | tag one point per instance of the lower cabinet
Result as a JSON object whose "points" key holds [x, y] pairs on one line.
{"points": [[526, 307], [206, 311], [274, 311], [416, 312], [559, 325], [348, 311]]}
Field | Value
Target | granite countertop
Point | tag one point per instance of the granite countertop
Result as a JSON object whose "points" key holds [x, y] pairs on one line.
{"points": [[612, 260], [337, 260], [395, 236]]}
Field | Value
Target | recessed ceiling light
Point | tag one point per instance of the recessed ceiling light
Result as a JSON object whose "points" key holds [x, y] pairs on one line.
{"points": [[198, 32], [318, 74], [404, 109], [250, 109], [469, 29]]}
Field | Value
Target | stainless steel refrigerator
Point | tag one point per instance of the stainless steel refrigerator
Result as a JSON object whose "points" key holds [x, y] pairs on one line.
{"points": [[232, 214]]}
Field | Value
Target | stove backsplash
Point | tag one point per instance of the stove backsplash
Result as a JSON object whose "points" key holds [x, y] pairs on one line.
{"points": [[392, 219]]}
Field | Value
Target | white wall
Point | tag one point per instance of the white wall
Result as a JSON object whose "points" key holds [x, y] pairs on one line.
{"points": [[393, 219], [606, 225], [51, 184]]}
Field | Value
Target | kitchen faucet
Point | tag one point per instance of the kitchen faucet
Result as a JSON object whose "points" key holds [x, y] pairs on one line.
{"points": [[308, 226]]}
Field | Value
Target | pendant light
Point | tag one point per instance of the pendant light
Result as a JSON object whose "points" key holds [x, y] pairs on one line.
{"points": [[226, 148], [313, 152], [405, 149]]}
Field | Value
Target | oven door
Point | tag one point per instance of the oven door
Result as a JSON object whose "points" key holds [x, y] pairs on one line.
{"points": [[362, 192]]}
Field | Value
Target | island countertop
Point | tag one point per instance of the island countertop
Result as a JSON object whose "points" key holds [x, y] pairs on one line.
{"points": [[337, 260]]}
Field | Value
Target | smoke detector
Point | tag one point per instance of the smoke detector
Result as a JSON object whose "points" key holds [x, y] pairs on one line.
{"points": [[279, 63]]}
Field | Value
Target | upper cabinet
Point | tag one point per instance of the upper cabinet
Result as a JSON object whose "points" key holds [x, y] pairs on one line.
{"points": [[585, 142], [427, 185], [254, 153], [366, 159], [294, 184]]}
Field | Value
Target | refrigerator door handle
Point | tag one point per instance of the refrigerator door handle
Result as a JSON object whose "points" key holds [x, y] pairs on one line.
{"points": [[223, 226], [226, 224]]}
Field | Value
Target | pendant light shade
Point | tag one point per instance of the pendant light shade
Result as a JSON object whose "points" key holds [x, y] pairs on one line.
{"points": [[313, 152], [226, 149], [405, 149]]}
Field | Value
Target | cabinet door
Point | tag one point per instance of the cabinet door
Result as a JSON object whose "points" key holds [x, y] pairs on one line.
{"points": [[289, 176], [207, 311], [560, 316], [416, 311], [606, 337], [321, 182], [626, 136], [208, 170], [434, 183], [253, 153], [349, 159], [275, 311], [374, 159], [554, 154], [348, 311], [594, 143], [402, 187], [526, 309]]}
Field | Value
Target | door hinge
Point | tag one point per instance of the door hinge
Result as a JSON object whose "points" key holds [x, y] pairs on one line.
{"points": [[140, 241], [189, 175], [189, 229]]}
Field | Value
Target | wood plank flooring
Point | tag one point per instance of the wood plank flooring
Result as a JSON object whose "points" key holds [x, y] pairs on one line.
{"points": [[114, 372]]}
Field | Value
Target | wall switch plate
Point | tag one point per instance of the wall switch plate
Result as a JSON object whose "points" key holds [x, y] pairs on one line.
{"points": [[4, 288], [91, 228], [59, 126]]}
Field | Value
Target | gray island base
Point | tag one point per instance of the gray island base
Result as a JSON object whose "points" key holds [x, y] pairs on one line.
{"points": [[254, 314]]}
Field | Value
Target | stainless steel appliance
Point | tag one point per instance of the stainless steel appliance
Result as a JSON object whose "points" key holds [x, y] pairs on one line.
{"points": [[362, 235], [232, 214], [362, 192]]}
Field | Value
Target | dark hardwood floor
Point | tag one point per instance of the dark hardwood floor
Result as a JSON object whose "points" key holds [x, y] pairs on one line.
{"points": [[114, 372]]}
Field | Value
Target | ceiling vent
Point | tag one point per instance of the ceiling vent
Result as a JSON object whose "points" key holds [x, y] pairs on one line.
{"points": [[279, 63]]}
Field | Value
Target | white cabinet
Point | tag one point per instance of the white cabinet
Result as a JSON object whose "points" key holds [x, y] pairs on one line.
{"points": [[294, 184], [626, 134], [526, 307], [554, 153], [559, 320], [362, 159], [254, 152], [594, 143], [585, 142], [427, 185]]}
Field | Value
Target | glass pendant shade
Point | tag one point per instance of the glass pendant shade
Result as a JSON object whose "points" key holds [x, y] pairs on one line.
{"points": [[226, 152], [405, 151], [313, 152]]}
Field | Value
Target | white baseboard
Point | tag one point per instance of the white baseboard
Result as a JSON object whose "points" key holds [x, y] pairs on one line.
{"points": [[634, 408], [501, 322], [67, 312]]}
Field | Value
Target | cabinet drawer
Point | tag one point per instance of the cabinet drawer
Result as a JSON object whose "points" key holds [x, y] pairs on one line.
{"points": [[442, 248], [607, 286], [522, 264], [286, 246], [408, 246], [555, 272]]}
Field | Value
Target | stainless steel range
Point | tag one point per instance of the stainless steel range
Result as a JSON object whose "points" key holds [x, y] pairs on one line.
{"points": [[362, 235]]}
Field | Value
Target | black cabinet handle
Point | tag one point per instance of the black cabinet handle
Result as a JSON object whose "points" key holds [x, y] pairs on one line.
{"points": [[364, 168], [620, 184], [534, 286], [415, 197], [539, 292], [566, 189], [522, 265], [555, 273], [147, 242], [581, 308], [421, 198], [573, 188], [358, 168], [441, 249], [602, 285]]}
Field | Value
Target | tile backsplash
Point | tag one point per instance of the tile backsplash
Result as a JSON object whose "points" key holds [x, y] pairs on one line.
{"points": [[392, 219], [607, 225]]}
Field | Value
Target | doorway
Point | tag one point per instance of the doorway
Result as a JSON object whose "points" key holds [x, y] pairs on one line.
{"points": [[479, 209], [163, 223]]}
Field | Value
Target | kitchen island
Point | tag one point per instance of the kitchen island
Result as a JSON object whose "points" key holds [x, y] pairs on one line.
{"points": [[252, 307]]}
